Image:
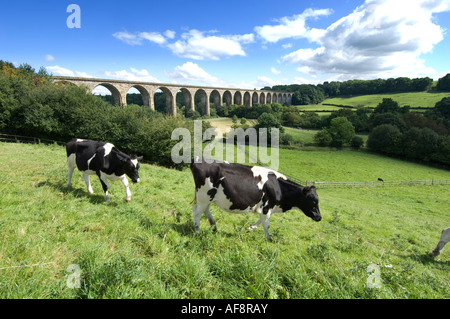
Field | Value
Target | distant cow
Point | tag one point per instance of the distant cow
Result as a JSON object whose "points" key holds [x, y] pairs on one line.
{"points": [[239, 188], [103, 159], [445, 238]]}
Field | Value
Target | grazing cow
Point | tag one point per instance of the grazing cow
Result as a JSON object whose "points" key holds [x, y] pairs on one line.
{"points": [[103, 159], [445, 238], [239, 188]]}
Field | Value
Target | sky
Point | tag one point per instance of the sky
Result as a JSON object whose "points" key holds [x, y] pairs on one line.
{"points": [[236, 44]]}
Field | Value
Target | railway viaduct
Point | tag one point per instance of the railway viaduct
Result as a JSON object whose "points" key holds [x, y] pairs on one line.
{"points": [[218, 95]]}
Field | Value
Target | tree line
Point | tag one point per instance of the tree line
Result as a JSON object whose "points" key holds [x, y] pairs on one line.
{"points": [[31, 104], [313, 94]]}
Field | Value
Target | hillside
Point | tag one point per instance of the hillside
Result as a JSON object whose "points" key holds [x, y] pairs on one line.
{"points": [[413, 99], [147, 249]]}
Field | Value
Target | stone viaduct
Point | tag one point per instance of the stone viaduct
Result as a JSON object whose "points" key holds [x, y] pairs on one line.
{"points": [[218, 95]]}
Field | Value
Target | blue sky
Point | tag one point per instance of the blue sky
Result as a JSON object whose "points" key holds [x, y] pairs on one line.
{"points": [[245, 44]]}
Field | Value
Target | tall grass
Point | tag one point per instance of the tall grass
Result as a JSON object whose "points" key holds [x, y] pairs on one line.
{"points": [[148, 249]]}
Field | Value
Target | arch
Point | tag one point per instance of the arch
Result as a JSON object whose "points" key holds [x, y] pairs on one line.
{"points": [[117, 97], [188, 100], [274, 98], [269, 98], [171, 107], [247, 100], [255, 99], [215, 98], [227, 98], [237, 98], [283, 98], [262, 98], [204, 101], [279, 98], [144, 94]]}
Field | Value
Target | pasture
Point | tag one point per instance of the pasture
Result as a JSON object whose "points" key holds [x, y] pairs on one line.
{"points": [[413, 99], [148, 249]]}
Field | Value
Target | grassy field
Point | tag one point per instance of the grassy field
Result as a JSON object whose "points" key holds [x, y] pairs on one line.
{"points": [[147, 249], [413, 99]]}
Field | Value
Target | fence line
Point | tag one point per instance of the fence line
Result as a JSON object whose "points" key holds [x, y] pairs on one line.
{"points": [[28, 139], [37, 140], [369, 184]]}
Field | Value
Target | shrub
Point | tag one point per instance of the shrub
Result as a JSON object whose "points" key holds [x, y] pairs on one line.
{"points": [[323, 138], [357, 142], [384, 138]]}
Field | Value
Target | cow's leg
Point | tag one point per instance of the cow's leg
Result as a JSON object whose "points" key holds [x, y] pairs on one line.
{"points": [[436, 251], [197, 211], [105, 186], [125, 183], [211, 219], [445, 237], [87, 180], [265, 220], [70, 168], [254, 225]]}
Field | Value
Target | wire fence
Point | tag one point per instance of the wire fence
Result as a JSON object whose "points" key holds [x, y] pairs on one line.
{"points": [[378, 183], [28, 139]]}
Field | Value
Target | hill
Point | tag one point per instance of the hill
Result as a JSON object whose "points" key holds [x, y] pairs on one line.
{"points": [[147, 249], [413, 99]]}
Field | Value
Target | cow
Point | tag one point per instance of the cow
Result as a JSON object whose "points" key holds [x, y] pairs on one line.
{"points": [[239, 188], [445, 238], [105, 160]]}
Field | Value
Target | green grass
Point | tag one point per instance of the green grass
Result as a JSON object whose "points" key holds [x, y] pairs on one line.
{"points": [[147, 249], [416, 99]]}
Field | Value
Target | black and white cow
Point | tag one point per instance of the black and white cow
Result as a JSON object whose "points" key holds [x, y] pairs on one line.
{"points": [[105, 160], [239, 188]]}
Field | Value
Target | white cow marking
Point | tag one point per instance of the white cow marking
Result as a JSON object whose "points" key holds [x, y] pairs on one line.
{"points": [[264, 172], [108, 147]]}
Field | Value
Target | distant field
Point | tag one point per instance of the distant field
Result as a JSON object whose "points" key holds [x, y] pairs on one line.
{"points": [[419, 99]]}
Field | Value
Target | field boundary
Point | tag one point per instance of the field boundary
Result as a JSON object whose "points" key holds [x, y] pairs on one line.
{"points": [[430, 182], [28, 139]]}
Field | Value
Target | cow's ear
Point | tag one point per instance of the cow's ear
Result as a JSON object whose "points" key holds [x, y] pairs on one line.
{"points": [[140, 158], [306, 189]]}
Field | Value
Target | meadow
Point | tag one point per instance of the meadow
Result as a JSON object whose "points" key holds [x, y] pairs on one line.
{"points": [[148, 249], [413, 99]]}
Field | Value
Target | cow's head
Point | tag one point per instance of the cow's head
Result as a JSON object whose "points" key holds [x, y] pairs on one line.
{"points": [[308, 202], [132, 167]]}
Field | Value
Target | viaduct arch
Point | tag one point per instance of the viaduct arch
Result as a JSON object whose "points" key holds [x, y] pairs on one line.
{"points": [[218, 95]]}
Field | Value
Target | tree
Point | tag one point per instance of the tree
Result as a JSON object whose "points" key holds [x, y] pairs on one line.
{"points": [[442, 108], [342, 131], [323, 137], [444, 83], [384, 138], [388, 105]]}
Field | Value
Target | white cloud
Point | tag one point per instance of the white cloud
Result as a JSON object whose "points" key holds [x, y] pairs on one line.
{"points": [[170, 34], [49, 58], [135, 75], [137, 38], [198, 46], [128, 38], [191, 72], [380, 38], [153, 37], [57, 70], [293, 27], [287, 46], [274, 71]]}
